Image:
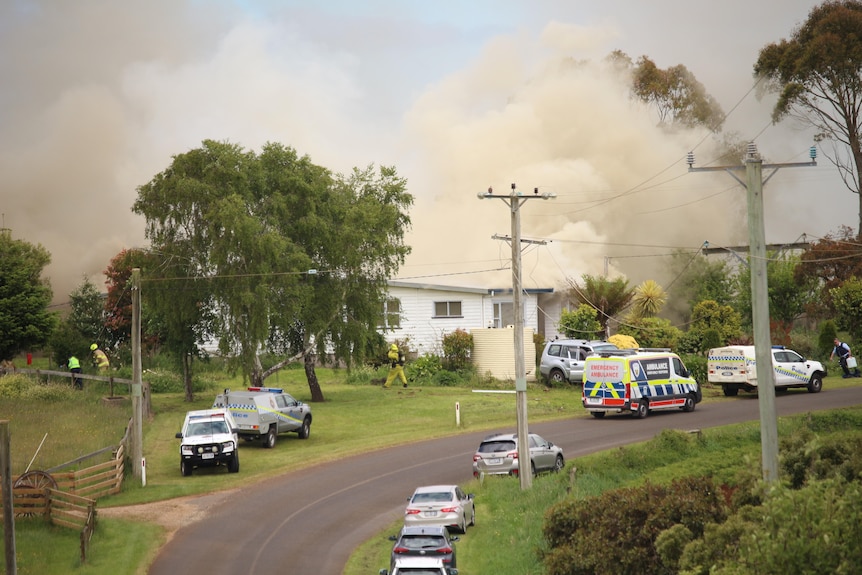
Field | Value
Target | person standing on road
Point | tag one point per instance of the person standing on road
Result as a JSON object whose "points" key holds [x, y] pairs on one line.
{"points": [[396, 362], [100, 359], [75, 367], [842, 350]]}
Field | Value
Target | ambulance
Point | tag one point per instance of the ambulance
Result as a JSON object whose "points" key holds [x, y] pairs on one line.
{"points": [[637, 382], [734, 367]]}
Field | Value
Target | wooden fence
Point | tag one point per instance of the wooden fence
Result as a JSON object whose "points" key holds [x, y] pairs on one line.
{"points": [[110, 379], [69, 498]]}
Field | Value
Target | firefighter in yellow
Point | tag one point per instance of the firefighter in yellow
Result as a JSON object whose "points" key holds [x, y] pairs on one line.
{"points": [[100, 359], [396, 361]]}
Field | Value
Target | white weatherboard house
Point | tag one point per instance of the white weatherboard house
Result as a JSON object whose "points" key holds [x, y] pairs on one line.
{"points": [[423, 313]]}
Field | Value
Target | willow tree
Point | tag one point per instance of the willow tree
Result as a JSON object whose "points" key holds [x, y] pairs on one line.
{"points": [[817, 74], [278, 253]]}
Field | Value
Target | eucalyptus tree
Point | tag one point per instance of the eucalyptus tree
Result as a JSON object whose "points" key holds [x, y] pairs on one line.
{"points": [[273, 251], [817, 74]]}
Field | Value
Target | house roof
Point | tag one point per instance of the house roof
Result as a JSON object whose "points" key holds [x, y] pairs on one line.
{"points": [[464, 289]]}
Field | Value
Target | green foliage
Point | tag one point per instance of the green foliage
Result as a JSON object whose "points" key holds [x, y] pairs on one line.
{"points": [[627, 521], [25, 322], [829, 263], [848, 305], [457, 349], [826, 334], [789, 293], [423, 368], [652, 332], [582, 323], [698, 279], [696, 365], [14, 385], [677, 96], [608, 296], [712, 325]]}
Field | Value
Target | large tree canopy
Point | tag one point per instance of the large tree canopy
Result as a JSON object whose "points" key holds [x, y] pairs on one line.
{"points": [[25, 322], [274, 252], [818, 76]]}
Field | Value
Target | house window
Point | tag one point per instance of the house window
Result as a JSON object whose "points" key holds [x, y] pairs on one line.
{"points": [[392, 313], [447, 309]]}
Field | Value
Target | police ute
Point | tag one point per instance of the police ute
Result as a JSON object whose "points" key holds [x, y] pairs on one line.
{"points": [[262, 413], [637, 382], [734, 367]]}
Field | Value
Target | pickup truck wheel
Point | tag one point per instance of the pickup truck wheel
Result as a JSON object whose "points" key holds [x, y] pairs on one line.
{"points": [[269, 438], [305, 430], [557, 376], [643, 409], [816, 384], [185, 468], [233, 464], [730, 390], [689, 402]]}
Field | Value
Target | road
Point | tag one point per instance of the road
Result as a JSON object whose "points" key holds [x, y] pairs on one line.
{"points": [[310, 521]]}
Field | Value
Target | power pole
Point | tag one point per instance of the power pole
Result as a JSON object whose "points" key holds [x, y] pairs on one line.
{"points": [[6, 499], [760, 295], [137, 378], [515, 200]]}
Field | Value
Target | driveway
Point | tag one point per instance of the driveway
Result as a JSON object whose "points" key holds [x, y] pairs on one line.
{"points": [[310, 521]]}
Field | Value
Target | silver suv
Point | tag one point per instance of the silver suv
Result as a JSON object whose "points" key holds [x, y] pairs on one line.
{"points": [[563, 359]]}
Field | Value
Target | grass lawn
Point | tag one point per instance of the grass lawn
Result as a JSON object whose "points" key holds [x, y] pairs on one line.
{"points": [[354, 418]]}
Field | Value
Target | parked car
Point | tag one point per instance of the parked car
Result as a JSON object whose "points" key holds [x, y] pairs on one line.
{"points": [[445, 505], [563, 360], [498, 455], [424, 541], [209, 438], [734, 367], [419, 566]]}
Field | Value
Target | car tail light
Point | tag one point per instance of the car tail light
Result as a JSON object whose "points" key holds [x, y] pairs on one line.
{"points": [[512, 454], [477, 457], [401, 550], [444, 550], [412, 512], [449, 510]]}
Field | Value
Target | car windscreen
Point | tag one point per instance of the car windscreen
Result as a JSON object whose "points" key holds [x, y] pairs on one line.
{"points": [[422, 542], [497, 446], [435, 497]]}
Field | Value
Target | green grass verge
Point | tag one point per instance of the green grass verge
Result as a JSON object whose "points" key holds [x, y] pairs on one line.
{"points": [[354, 418], [507, 538]]}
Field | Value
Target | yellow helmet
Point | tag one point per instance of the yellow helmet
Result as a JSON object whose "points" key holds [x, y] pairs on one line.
{"points": [[94, 346], [393, 347]]}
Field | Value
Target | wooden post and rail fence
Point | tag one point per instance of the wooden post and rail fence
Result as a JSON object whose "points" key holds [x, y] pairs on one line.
{"points": [[68, 498]]}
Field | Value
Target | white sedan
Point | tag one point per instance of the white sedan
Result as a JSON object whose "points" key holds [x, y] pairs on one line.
{"points": [[445, 505]]}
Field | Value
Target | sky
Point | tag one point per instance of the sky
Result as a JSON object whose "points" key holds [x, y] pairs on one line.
{"points": [[98, 96]]}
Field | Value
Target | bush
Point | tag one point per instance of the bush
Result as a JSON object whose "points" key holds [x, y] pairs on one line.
{"points": [[14, 385], [423, 368], [629, 520], [457, 349], [696, 365]]}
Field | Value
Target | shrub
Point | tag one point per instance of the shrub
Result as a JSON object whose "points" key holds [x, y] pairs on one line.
{"points": [[457, 349], [423, 368], [14, 385], [696, 365]]}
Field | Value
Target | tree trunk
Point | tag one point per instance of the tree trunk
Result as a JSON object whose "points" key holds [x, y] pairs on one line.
{"points": [[313, 384], [187, 377]]}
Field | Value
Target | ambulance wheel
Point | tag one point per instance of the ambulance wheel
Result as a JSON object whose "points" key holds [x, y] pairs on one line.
{"points": [[643, 409], [269, 438], [730, 390], [233, 464], [816, 384], [305, 430], [185, 468], [598, 414], [689, 403]]}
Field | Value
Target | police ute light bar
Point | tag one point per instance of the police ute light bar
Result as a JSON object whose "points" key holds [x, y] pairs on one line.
{"points": [[267, 389]]}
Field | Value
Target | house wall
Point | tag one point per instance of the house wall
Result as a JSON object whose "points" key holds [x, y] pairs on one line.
{"points": [[425, 332]]}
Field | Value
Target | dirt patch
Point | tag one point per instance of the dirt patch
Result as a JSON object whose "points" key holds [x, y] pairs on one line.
{"points": [[171, 514]]}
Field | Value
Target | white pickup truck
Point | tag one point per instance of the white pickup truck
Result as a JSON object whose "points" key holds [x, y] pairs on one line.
{"points": [[264, 412], [734, 367], [209, 438]]}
